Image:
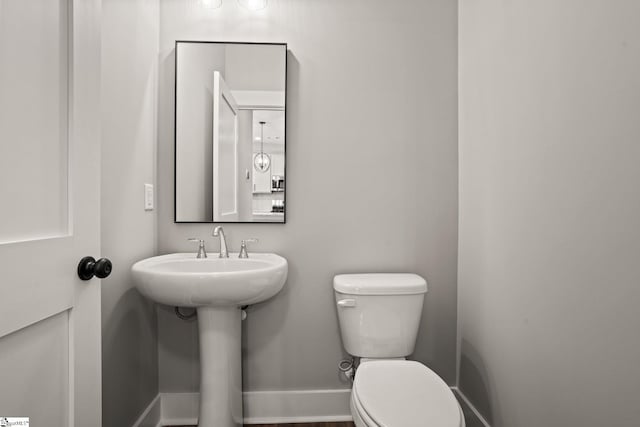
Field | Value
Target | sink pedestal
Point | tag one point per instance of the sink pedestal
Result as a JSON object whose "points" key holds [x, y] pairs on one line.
{"points": [[220, 366], [216, 287]]}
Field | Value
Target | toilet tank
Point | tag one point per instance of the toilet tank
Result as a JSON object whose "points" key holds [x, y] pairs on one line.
{"points": [[379, 314]]}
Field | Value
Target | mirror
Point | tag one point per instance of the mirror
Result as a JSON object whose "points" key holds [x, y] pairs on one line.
{"points": [[230, 121]]}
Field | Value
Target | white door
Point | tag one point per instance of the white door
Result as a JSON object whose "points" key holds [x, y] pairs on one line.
{"points": [[225, 152], [50, 368]]}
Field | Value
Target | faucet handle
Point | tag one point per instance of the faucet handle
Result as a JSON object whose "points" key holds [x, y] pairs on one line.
{"points": [[243, 247], [202, 252]]}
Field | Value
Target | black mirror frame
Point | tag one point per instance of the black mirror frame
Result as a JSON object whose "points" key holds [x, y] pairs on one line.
{"points": [[175, 131]]}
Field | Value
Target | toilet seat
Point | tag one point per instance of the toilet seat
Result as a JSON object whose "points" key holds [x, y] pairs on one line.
{"points": [[394, 393]]}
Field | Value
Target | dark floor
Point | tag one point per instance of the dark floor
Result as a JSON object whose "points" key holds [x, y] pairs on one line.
{"points": [[334, 424], [346, 424]]}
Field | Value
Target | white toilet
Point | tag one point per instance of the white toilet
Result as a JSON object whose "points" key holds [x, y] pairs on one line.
{"points": [[379, 317]]}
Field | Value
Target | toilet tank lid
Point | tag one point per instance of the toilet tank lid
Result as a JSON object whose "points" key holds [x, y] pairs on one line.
{"points": [[380, 284]]}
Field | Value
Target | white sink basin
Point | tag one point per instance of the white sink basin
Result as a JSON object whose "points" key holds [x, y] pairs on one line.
{"points": [[183, 280], [216, 287]]}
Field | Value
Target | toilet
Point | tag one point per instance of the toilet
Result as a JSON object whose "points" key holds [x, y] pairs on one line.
{"points": [[379, 316]]}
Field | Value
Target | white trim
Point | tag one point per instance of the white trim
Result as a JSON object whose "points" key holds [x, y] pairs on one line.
{"points": [[297, 420], [192, 421], [296, 406], [151, 415], [260, 407], [179, 409], [470, 405]]}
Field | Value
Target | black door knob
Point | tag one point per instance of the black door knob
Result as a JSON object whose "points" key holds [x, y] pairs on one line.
{"points": [[89, 267]]}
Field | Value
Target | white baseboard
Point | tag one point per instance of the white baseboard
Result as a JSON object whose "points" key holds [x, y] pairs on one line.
{"points": [[296, 406], [264, 407], [179, 409], [150, 417], [260, 407], [470, 405]]}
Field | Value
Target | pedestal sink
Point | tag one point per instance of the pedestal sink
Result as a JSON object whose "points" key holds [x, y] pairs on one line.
{"points": [[217, 288]]}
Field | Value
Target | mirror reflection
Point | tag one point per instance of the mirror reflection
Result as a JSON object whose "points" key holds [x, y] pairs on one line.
{"points": [[230, 132]]}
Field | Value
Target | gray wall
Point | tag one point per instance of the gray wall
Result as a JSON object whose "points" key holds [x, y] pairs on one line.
{"points": [[254, 67], [194, 176], [550, 211], [372, 131], [129, 326]]}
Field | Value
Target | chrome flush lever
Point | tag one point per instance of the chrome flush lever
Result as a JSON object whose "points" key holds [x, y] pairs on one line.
{"points": [[202, 252], [243, 247]]}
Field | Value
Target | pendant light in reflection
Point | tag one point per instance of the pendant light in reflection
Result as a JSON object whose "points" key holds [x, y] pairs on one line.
{"points": [[261, 161]]}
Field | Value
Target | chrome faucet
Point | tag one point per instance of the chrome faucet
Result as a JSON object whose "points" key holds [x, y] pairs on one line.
{"points": [[202, 252], [219, 232]]}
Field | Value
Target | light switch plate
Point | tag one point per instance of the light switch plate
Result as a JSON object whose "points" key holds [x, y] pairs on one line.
{"points": [[148, 197]]}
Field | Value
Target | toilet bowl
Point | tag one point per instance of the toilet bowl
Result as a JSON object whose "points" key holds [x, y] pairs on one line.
{"points": [[394, 393], [379, 316]]}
